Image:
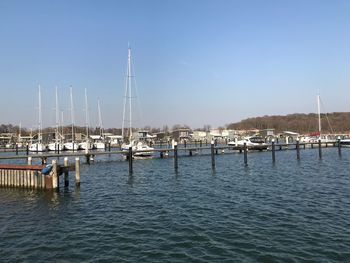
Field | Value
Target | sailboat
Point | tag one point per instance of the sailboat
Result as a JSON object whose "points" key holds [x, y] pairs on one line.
{"points": [[72, 145], [99, 143], [38, 146], [323, 138], [57, 144], [86, 145], [141, 146]]}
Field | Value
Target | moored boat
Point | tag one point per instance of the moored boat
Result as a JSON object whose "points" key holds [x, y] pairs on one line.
{"points": [[252, 142], [145, 150], [345, 142]]}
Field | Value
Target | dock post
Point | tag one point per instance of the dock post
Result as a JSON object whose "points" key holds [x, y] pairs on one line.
{"points": [[16, 149], [87, 156], [298, 149], [29, 160], [130, 160], [66, 172], [109, 146], [245, 154], [339, 146], [54, 175], [176, 166], [212, 154], [185, 143], [319, 149], [58, 148], [200, 143], [77, 171], [27, 149], [273, 151]]}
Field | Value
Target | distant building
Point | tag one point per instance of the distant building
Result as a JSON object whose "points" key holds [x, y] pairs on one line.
{"points": [[200, 135], [160, 136], [180, 135], [267, 133], [215, 134], [143, 135]]}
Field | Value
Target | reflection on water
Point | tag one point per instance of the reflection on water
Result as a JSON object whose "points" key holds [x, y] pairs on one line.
{"points": [[288, 211]]}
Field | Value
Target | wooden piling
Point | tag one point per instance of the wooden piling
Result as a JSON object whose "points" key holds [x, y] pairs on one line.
{"points": [[87, 157], [35, 184], [130, 160], [176, 166], [339, 147], [77, 171], [55, 184], [273, 151], [66, 172], [245, 154], [212, 154], [32, 179], [319, 149], [298, 149], [27, 149]]}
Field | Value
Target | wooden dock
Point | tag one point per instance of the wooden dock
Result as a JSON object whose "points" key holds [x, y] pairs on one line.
{"points": [[37, 176]]}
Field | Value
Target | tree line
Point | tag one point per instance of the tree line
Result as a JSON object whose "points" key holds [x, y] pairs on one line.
{"points": [[335, 122]]}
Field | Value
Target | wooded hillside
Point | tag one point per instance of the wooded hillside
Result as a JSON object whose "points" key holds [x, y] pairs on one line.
{"points": [[335, 122]]}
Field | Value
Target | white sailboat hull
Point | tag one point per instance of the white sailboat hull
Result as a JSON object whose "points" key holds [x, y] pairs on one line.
{"points": [[70, 146], [85, 146], [145, 150], [37, 147], [55, 146], [99, 145]]}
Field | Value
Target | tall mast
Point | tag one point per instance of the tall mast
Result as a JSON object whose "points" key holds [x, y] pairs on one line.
{"points": [[86, 116], [20, 130], [129, 87], [57, 115], [99, 117], [319, 114], [40, 117], [127, 97], [72, 111], [62, 131]]}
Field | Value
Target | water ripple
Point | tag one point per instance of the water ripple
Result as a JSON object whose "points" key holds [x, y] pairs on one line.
{"points": [[290, 211]]}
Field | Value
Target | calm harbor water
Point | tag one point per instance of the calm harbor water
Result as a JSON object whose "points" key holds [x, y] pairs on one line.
{"points": [[290, 211]]}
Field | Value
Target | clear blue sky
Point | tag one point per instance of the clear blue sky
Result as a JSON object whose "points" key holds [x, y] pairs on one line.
{"points": [[196, 62]]}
